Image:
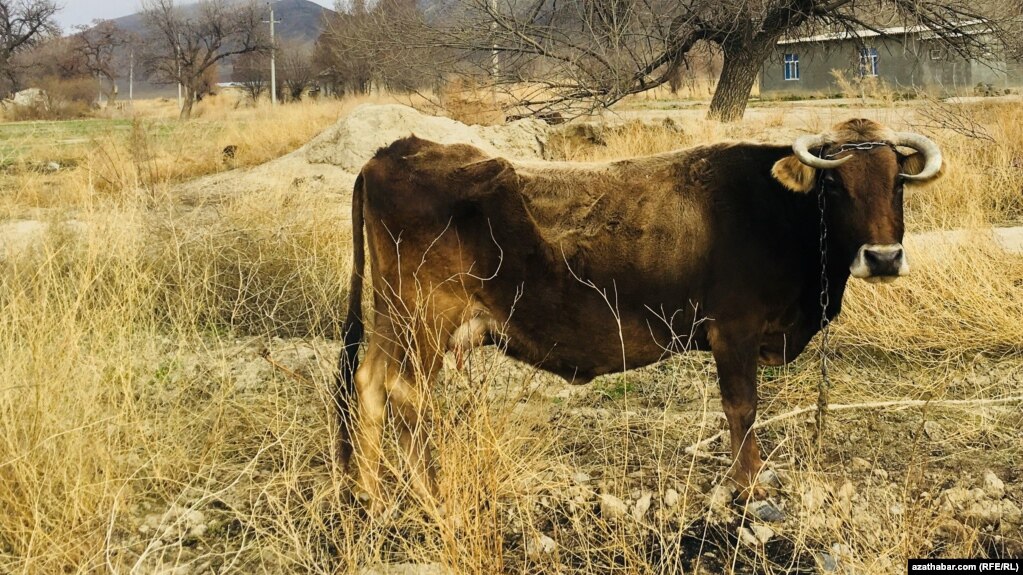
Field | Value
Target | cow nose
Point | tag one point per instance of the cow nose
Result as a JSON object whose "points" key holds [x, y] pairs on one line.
{"points": [[883, 261], [880, 262]]}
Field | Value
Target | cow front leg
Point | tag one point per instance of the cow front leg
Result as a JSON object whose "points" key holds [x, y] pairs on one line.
{"points": [[736, 359]]}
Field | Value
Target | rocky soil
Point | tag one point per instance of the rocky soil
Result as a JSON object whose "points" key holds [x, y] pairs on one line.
{"points": [[614, 474]]}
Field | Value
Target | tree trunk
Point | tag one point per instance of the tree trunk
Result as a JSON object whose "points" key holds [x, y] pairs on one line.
{"points": [[187, 101], [742, 62]]}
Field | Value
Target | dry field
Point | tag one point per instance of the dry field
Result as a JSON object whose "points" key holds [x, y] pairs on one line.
{"points": [[168, 319]]}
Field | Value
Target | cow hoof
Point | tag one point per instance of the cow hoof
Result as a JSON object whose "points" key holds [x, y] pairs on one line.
{"points": [[765, 511], [370, 506], [755, 492]]}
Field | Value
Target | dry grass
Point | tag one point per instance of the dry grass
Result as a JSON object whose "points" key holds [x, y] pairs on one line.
{"points": [[133, 396], [121, 158]]}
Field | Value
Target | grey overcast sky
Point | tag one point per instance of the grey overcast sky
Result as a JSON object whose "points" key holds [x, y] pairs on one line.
{"points": [[77, 12]]}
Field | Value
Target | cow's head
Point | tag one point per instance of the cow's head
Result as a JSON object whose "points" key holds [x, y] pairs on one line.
{"points": [[861, 173]]}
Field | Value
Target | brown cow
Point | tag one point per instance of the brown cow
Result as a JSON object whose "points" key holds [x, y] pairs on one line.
{"points": [[588, 269]]}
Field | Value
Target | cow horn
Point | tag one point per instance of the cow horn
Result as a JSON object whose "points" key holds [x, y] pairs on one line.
{"points": [[802, 146], [927, 147]]}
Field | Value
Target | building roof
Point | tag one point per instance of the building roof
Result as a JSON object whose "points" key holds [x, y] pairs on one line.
{"points": [[968, 27]]}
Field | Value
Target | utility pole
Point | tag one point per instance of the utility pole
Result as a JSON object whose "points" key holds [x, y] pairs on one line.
{"points": [[273, 56], [131, 77]]}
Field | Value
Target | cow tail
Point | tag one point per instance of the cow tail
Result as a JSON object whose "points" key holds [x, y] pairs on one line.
{"points": [[353, 328]]}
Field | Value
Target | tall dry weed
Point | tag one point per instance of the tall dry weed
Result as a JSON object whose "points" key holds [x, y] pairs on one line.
{"points": [[156, 414], [273, 264]]}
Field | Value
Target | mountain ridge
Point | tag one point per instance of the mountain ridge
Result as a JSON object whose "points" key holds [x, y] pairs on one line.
{"points": [[300, 21]]}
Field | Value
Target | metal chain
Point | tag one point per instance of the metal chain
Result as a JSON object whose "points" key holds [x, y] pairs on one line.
{"points": [[855, 146], [824, 386]]}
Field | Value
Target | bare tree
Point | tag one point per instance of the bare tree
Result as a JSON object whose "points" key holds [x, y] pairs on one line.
{"points": [[23, 24], [355, 50], [54, 57], [1010, 18], [207, 83], [67, 88], [295, 69], [185, 47], [252, 71], [102, 49], [339, 54], [585, 54]]}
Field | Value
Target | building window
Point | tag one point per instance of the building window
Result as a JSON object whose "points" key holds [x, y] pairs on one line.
{"points": [[791, 66], [937, 54], [868, 61]]}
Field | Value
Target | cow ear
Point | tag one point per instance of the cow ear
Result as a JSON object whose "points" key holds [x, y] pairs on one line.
{"points": [[793, 174], [913, 163]]}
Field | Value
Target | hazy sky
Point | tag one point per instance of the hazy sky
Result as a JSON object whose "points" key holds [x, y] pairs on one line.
{"points": [[85, 11]]}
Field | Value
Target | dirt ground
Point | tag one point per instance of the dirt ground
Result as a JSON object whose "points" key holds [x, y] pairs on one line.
{"points": [[623, 475], [618, 463]]}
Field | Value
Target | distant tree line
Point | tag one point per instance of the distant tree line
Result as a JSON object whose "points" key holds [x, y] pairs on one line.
{"points": [[70, 71], [579, 55], [539, 56]]}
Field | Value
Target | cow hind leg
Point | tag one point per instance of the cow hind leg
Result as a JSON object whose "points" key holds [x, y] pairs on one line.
{"points": [[409, 410], [736, 360], [387, 380], [370, 408]]}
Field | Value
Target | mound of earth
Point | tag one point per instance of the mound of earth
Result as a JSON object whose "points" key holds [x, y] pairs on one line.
{"points": [[354, 140], [330, 162]]}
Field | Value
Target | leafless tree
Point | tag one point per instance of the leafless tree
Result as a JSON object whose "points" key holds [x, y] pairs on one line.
{"points": [[586, 54], [252, 71], [54, 57], [103, 49], [67, 87], [185, 47], [340, 55], [296, 70], [23, 24], [1011, 20], [355, 51]]}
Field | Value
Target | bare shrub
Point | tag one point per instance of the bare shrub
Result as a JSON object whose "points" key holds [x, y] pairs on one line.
{"points": [[61, 99], [470, 104], [276, 264], [594, 141]]}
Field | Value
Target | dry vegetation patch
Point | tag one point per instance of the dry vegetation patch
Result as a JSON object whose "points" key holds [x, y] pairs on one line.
{"points": [[166, 363]]}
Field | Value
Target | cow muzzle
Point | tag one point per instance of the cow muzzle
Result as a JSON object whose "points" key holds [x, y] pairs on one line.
{"points": [[880, 262]]}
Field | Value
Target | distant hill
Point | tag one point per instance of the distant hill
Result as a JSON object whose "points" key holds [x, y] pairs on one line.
{"points": [[301, 21]]}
